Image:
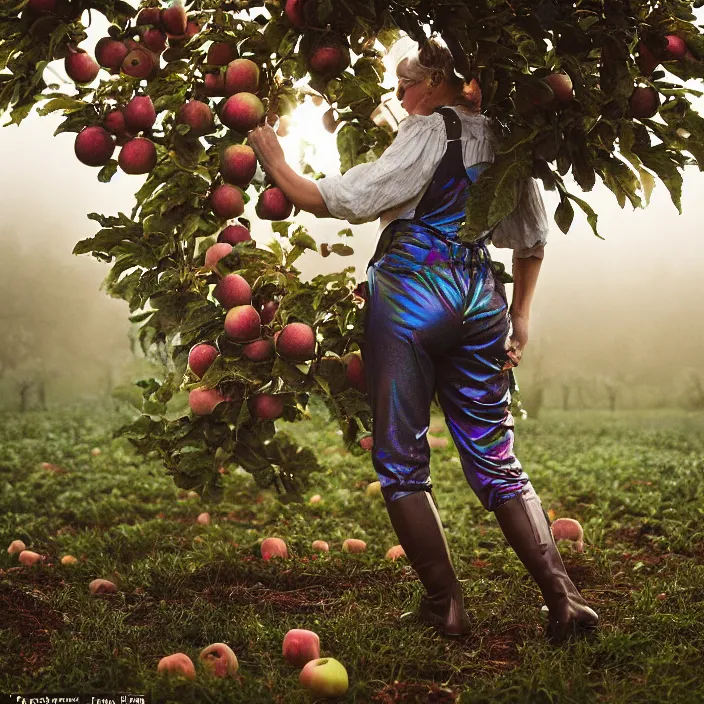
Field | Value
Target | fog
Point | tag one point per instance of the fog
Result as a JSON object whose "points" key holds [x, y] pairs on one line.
{"points": [[621, 312]]}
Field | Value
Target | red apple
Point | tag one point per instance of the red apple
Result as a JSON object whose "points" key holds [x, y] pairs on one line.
{"points": [[219, 660], [644, 102], [177, 664], [138, 156], [267, 406], [296, 342], [269, 311], [354, 545], [242, 324], [102, 586], [320, 545], [203, 518], [16, 547], [29, 557], [259, 350], [68, 560], [234, 234], [354, 371], [561, 85], [367, 442], [227, 201], [273, 547], [300, 646], [568, 529], [233, 290], [676, 48], [201, 357], [395, 552], [215, 253], [204, 401]]}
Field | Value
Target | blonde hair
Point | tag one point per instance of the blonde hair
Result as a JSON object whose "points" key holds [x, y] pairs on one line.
{"points": [[434, 63]]}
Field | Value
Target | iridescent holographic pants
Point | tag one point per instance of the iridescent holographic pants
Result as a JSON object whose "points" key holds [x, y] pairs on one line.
{"points": [[436, 320]]}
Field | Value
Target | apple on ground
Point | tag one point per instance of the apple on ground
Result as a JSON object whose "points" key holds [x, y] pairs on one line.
{"points": [[219, 660], [393, 553], [29, 557], [204, 518], [102, 586], [373, 489], [354, 545], [16, 547], [273, 547], [95, 452], [435, 442], [324, 677], [193, 495], [320, 546], [177, 664], [300, 646], [315, 499], [68, 560], [568, 529]]}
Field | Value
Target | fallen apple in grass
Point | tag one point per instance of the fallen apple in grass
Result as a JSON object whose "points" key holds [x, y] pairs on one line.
{"points": [[354, 545], [300, 647], [434, 442], [219, 660], [177, 664], [16, 547], [320, 546], [273, 547], [568, 529], [315, 499], [193, 495], [324, 677], [204, 518], [102, 586], [68, 560], [95, 452], [373, 489], [29, 557], [395, 552]]}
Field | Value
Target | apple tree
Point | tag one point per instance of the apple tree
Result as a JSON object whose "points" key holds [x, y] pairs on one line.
{"points": [[582, 87]]}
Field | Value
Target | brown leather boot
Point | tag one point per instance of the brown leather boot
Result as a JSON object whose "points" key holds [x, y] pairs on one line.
{"points": [[527, 529], [417, 523]]}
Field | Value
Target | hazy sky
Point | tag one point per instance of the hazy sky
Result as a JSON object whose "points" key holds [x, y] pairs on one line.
{"points": [[635, 296]]}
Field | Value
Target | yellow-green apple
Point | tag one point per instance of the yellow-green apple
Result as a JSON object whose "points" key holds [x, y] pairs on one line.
{"points": [[273, 205], [296, 342], [374, 489], [320, 546], [215, 253], [233, 290], [110, 53], [219, 660], [203, 401], [273, 547], [201, 357], [234, 234], [242, 112], [29, 557], [242, 324], [238, 164], [267, 406], [177, 664], [139, 114], [227, 201], [569, 529], [138, 156], [354, 545], [198, 116], [300, 646], [324, 677], [95, 452], [395, 552], [220, 54], [102, 586], [80, 67], [68, 560], [315, 499], [16, 547], [94, 146], [644, 102], [259, 350], [203, 518], [241, 76]]}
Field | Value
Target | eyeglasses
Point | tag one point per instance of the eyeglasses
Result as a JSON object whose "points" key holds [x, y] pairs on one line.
{"points": [[403, 85]]}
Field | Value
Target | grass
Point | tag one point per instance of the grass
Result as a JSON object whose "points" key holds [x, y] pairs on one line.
{"points": [[634, 481]]}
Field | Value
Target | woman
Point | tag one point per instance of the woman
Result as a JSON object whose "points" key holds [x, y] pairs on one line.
{"points": [[438, 320]]}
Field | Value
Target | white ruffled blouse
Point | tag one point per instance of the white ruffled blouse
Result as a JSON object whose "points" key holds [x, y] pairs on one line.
{"points": [[391, 187]]}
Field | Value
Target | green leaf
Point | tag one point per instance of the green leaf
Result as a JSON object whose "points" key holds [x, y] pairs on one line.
{"points": [[108, 171], [564, 214]]}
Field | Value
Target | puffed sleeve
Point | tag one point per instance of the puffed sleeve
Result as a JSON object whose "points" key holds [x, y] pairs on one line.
{"points": [[525, 230], [397, 176]]}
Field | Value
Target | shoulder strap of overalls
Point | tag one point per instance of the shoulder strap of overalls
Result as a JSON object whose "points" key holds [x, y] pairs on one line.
{"points": [[453, 124]]}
